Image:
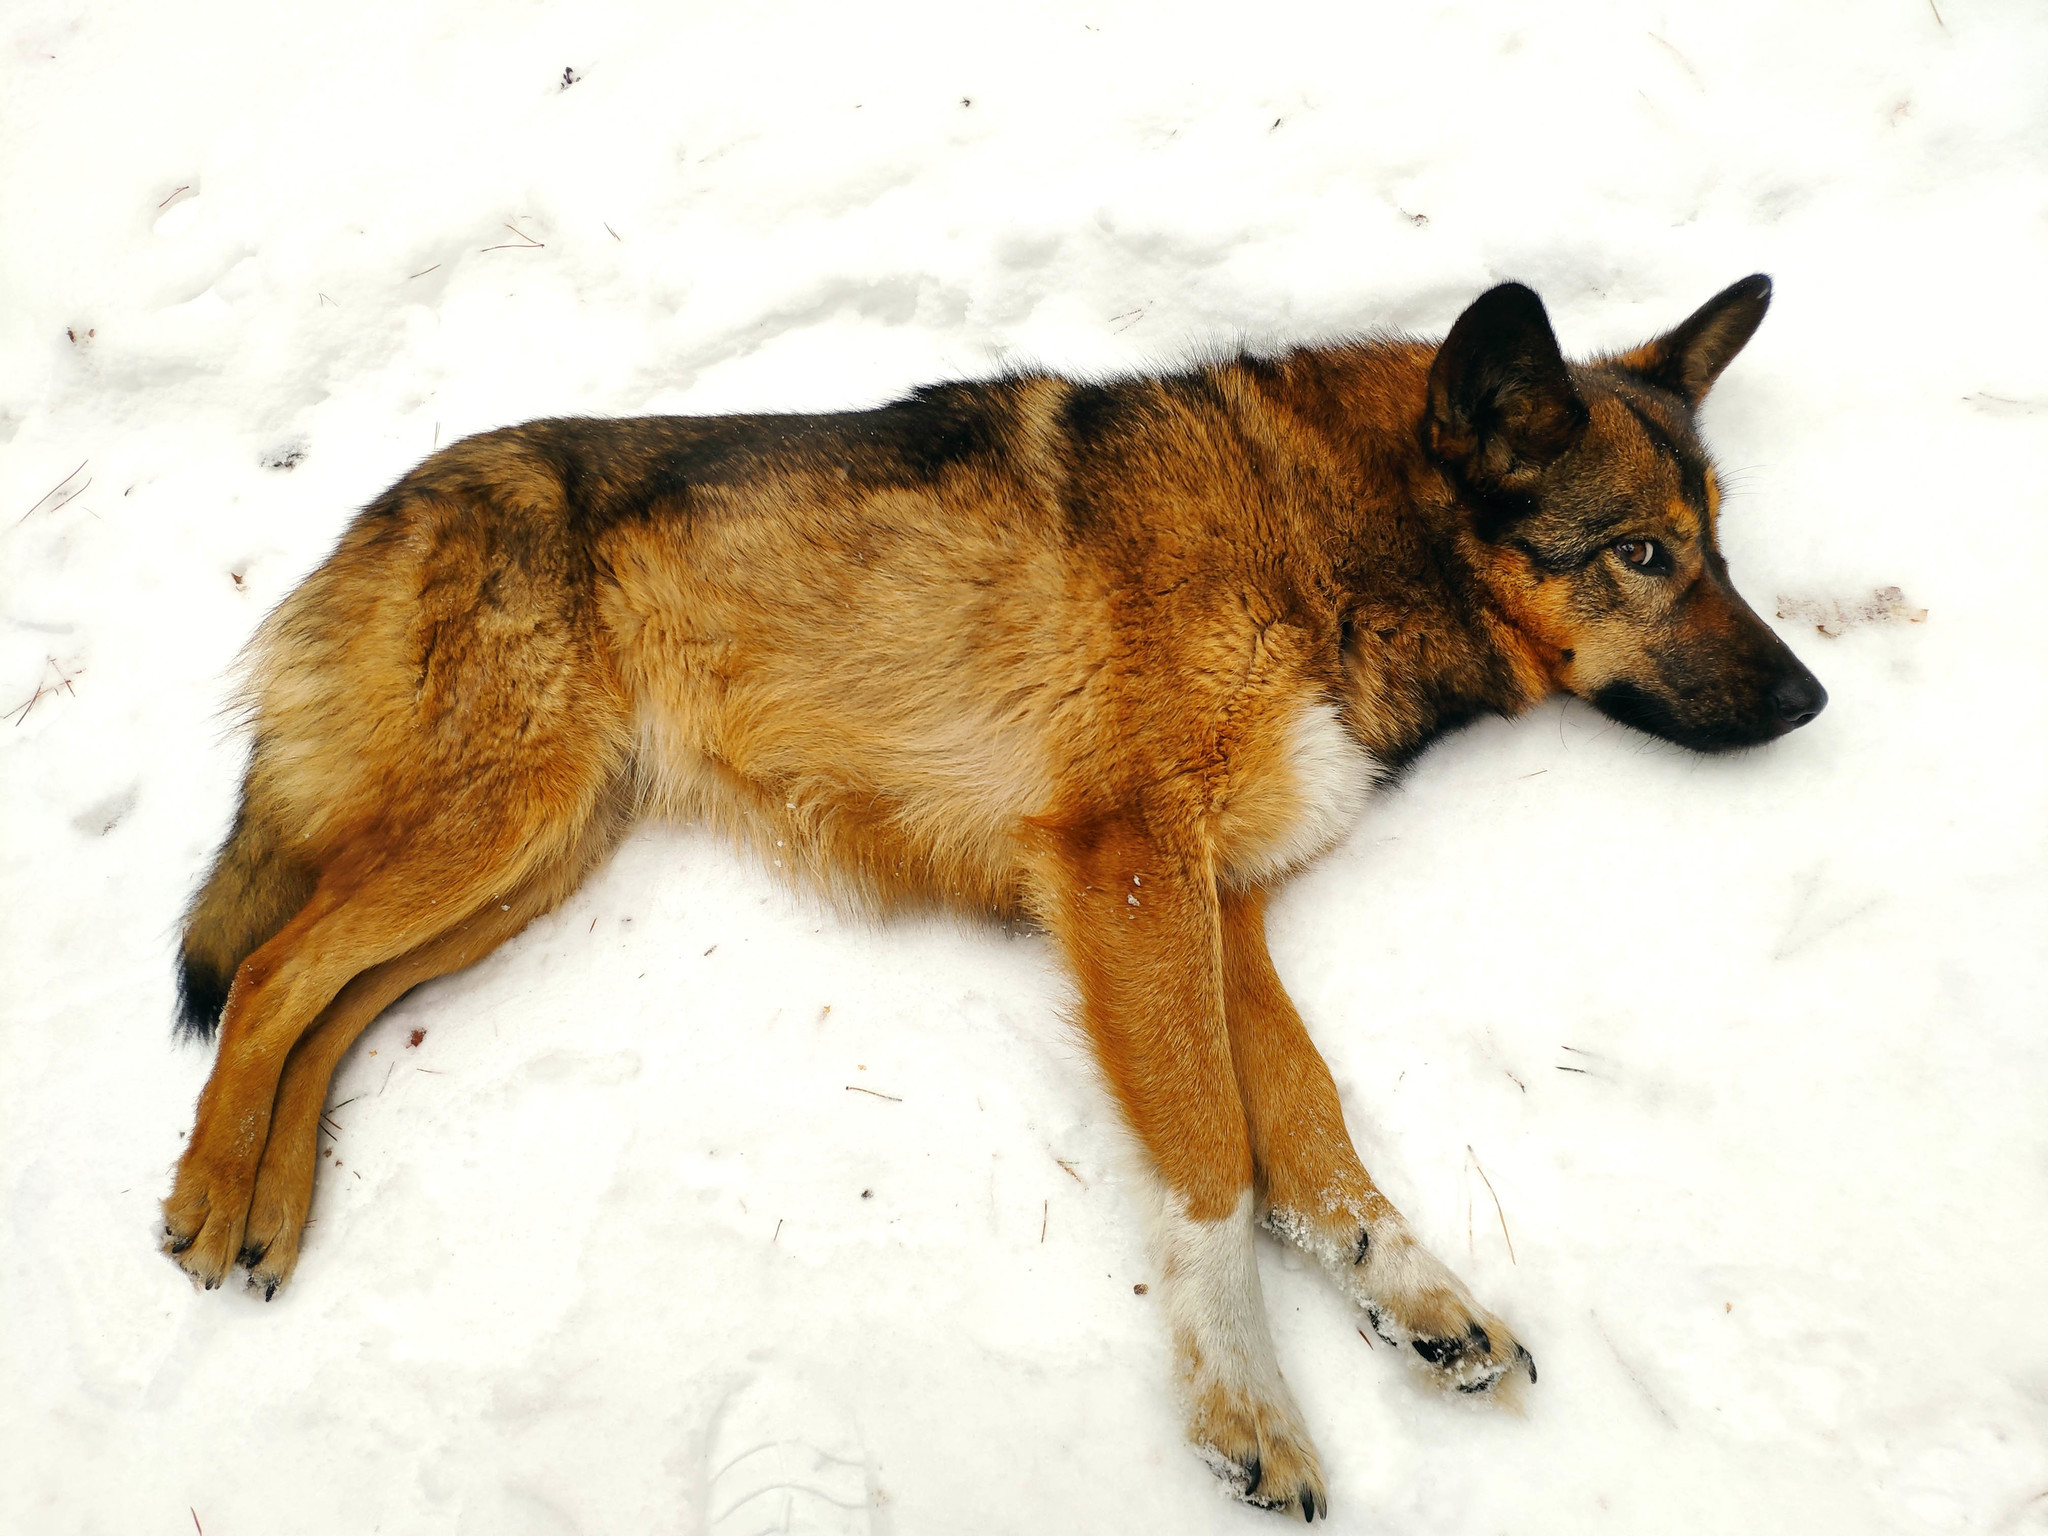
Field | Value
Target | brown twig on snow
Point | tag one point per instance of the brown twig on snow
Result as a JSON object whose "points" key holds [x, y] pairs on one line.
{"points": [[1503, 1215], [1641, 1385], [186, 188], [1044, 1217], [1069, 1167], [530, 245], [1684, 62], [67, 500], [853, 1088], [63, 682], [53, 490]]}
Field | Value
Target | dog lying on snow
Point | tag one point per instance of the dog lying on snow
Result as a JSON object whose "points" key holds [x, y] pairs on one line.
{"points": [[1118, 657]]}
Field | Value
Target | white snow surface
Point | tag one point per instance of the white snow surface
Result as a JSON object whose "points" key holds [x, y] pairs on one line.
{"points": [[1748, 1057]]}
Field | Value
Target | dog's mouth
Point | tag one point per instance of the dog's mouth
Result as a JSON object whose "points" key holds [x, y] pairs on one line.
{"points": [[1793, 699]]}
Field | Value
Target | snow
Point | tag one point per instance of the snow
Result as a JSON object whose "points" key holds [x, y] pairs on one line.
{"points": [[702, 1207]]}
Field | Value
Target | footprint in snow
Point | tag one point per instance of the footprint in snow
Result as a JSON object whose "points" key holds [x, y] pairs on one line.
{"points": [[785, 1460]]}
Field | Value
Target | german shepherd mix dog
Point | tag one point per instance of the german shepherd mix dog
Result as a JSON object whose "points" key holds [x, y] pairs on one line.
{"points": [[1116, 657]]}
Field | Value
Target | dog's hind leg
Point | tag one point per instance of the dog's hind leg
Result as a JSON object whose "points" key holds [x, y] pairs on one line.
{"points": [[1139, 923], [1317, 1193], [391, 890], [356, 919], [284, 1178]]}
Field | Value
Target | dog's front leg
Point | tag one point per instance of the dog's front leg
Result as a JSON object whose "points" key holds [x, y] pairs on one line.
{"points": [[1317, 1193], [1140, 922]]}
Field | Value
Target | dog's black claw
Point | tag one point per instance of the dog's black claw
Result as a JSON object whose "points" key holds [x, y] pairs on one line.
{"points": [[213, 1284], [1435, 1351], [1252, 1475], [251, 1256], [1530, 1361], [1308, 1506], [180, 1247], [269, 1290]]}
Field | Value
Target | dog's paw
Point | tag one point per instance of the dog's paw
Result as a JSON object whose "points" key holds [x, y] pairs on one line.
{"points": [[270, 1238], [1414, 1302], [278, 1208], [1257, 1444], [1240, 1416], [1477, 1360], [204, 1221], [1411, 1299]]}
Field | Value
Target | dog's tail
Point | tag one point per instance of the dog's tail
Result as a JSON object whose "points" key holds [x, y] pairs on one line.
{"points": [[254, 890]]}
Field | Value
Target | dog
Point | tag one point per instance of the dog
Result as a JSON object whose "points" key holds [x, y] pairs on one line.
{"points": [[1113, 657]]}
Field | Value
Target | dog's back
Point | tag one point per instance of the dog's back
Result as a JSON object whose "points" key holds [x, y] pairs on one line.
{"points": [[880, 646]]}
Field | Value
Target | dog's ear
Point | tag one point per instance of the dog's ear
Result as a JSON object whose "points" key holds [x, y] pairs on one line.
{"points": [[1687, 359], [1502, 404]]}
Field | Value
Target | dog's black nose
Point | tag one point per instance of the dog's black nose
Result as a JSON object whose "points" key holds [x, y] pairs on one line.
{"points": [[1799, 698]]}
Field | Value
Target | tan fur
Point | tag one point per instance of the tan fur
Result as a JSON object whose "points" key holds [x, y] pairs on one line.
{"points": [[1115, 658]]}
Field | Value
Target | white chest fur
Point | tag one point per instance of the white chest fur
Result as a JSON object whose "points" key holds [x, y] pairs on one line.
{"points": [[1321, 787]]}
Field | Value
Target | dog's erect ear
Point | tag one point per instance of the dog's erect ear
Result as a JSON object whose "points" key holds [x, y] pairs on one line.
{"points": [[1501, 402], [1688, 359]]}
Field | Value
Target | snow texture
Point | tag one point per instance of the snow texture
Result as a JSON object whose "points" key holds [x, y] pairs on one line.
{"points": [[703, 1208]]}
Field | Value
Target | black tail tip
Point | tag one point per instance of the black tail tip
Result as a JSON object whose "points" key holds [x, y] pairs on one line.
{"points": [[201, 997]]}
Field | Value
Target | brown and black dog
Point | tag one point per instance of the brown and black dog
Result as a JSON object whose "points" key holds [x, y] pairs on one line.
{"points": [[1116, 657]]}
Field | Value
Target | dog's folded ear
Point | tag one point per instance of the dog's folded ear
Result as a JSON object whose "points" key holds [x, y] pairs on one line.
{"points": [[1687, 359], [1502, 404]]}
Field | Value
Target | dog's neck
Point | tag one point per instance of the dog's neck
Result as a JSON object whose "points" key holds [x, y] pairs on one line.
{"points": [[1427, 647]]}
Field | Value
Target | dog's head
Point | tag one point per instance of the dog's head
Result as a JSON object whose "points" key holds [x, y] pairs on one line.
{"points": [[1593, 508]]}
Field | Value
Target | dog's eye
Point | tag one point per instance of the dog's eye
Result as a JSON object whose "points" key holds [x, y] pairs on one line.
{"points": [[1641, 554]]}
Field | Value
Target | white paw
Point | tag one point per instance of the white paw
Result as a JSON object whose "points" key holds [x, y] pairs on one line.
{"points": [[1410, 1298], [1241, 1418]]}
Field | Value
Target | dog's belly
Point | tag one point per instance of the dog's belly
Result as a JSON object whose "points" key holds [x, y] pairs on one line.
{"points": [[878, 773], [880, 797], [856, 800], [892, 727]]}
